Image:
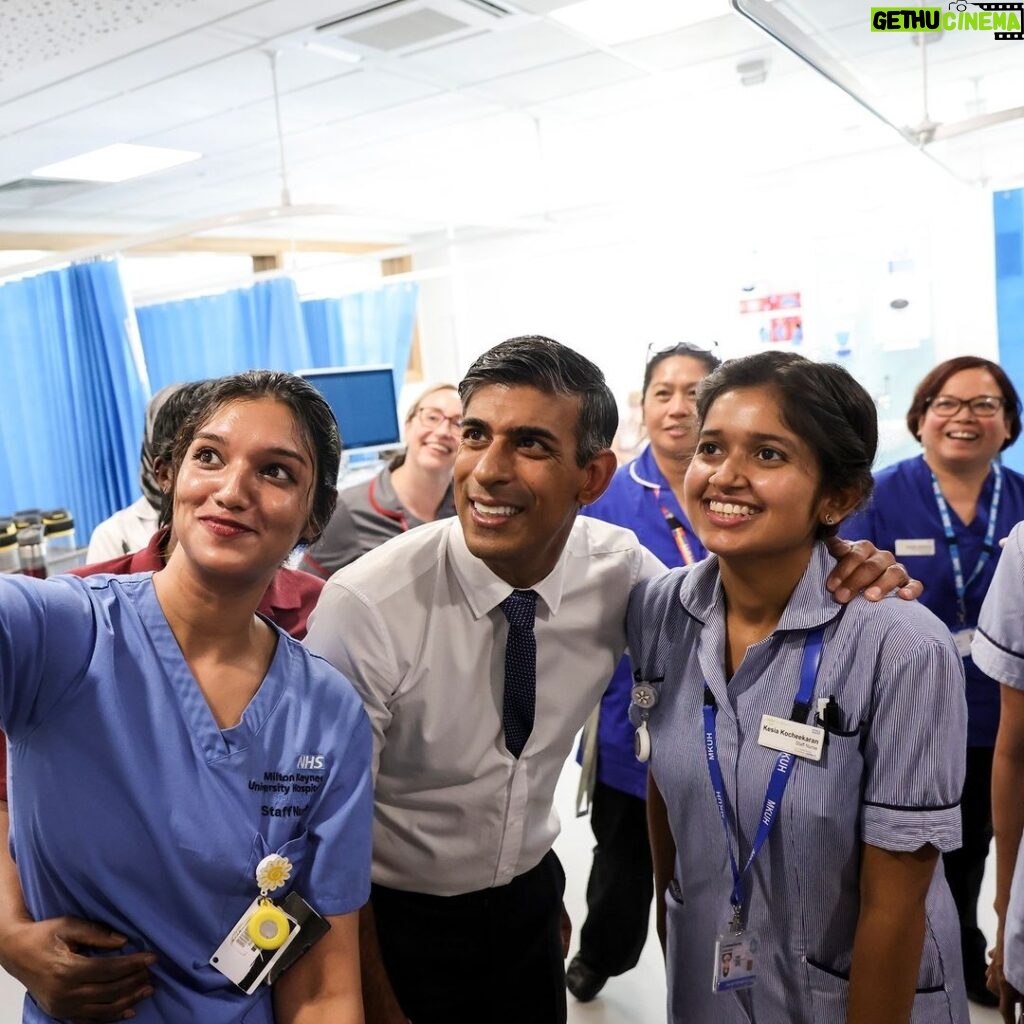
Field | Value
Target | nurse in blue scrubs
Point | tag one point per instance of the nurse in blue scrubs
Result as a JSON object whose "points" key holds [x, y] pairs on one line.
{"points": [[645, 497], [943, 513], [166, 739]]}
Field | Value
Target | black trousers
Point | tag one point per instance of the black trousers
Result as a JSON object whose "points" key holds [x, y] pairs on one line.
{"points": [[621, 883], [494, 955], [966, 867]]}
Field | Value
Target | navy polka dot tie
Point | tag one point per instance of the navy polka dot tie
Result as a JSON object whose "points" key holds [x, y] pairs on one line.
{"points": [[520, 670]]}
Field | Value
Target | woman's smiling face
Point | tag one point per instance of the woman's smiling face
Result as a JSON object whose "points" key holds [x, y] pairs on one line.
{"points": [[433, 446], [753, 487], [243, 493], [669, 406], [964, 440]]}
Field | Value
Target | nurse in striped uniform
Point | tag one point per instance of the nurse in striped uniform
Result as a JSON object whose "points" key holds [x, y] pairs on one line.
{"points": [[998, 650], [806, 760]]}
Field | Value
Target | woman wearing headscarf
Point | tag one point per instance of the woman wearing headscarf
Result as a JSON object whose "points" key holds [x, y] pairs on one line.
{"points": [[129, 529]]}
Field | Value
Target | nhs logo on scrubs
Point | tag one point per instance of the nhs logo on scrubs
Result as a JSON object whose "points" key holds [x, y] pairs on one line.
{"points": [[310, 762]]}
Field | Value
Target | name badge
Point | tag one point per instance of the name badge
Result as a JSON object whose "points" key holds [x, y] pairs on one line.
{"points": [[962, 638], [735, 961], [923, 546], [792, 737]]}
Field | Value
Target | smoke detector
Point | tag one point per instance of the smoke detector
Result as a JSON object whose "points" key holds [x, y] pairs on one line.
{"points": [[752, 72]]}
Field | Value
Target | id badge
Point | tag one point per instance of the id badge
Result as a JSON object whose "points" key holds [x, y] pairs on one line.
{"points": [[792, 737], [241, 961], [735, 961], [962, 638]]}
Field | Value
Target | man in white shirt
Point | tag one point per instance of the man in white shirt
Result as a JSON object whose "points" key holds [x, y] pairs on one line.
{"points": [[467, 892]]}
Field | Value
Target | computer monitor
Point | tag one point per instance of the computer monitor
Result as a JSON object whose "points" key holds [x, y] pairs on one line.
{"points": [[363, 401]]}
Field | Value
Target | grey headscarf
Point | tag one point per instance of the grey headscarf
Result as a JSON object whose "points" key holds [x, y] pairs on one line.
{"points": [[147, 478]]}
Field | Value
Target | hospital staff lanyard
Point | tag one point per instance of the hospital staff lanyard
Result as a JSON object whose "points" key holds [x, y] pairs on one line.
{"points": [[780, 773], [954, 548], [676, 529]]}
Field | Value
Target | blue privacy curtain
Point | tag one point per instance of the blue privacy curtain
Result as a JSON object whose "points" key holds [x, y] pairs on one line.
{"points": [[71, 399], [249, 328], [363, 329], [1008, 217]]}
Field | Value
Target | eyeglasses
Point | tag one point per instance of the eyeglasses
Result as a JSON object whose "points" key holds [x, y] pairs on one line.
{"points": [[983, 406], [433, 418], [683, 348]]}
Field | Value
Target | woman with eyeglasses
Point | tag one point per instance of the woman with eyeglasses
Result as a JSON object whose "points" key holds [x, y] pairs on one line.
{"points": [[943, 513], [414, 488]]}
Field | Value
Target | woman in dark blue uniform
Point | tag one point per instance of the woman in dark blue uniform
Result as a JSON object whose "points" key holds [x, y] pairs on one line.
{"points": [[644, 496], [943, 513]]}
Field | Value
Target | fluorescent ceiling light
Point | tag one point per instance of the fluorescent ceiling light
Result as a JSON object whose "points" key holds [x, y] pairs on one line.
{"points": [[116, 163], [348, 56], [612, 21]]}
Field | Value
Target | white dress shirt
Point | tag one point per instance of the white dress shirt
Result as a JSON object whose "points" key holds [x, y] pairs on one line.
{"points": [[416, 626], [127, 530]]}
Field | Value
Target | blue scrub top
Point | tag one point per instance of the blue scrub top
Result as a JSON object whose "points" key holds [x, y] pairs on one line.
{"points": [[634, 499], [131, 807], [903, 508]]}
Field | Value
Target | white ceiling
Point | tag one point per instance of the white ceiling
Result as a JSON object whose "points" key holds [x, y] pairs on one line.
{"points": [[511, 118]]}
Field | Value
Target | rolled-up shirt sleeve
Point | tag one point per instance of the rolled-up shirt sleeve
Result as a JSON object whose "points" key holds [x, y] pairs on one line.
{"points": [[349, 632], [914, 751], [998, 645]]}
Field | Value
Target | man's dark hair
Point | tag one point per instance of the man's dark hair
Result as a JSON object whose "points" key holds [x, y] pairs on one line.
{"points": [[821, 403], [538, 362]]}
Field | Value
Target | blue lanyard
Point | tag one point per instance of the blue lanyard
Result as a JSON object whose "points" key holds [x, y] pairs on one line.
{"points": [[954, 548], [780, 773]]}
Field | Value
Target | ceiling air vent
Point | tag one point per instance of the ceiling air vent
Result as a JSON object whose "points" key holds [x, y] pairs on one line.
{"points": [[396, 26], [24, 184], [25, 193]]}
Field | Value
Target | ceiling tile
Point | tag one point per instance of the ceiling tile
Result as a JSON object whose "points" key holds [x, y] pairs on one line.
{"points": [[398, 122], [250, 125], [560, 79], [274, 18], [498, 53], [351, 95], [75, 36], [542, 6], [719, 37], [164, 60]]}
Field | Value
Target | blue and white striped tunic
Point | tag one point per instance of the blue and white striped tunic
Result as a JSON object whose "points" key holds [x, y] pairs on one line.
{"points": [[890, 776], [998, 650]]}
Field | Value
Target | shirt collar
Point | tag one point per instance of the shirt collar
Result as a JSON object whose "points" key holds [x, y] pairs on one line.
{"points": [[151, 558], [644, 471], [384, 491], [280, 597], [484, 590], [810, 605]]}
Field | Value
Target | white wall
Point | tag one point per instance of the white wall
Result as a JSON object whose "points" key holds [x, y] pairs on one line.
{"points": [[850, 234]]}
